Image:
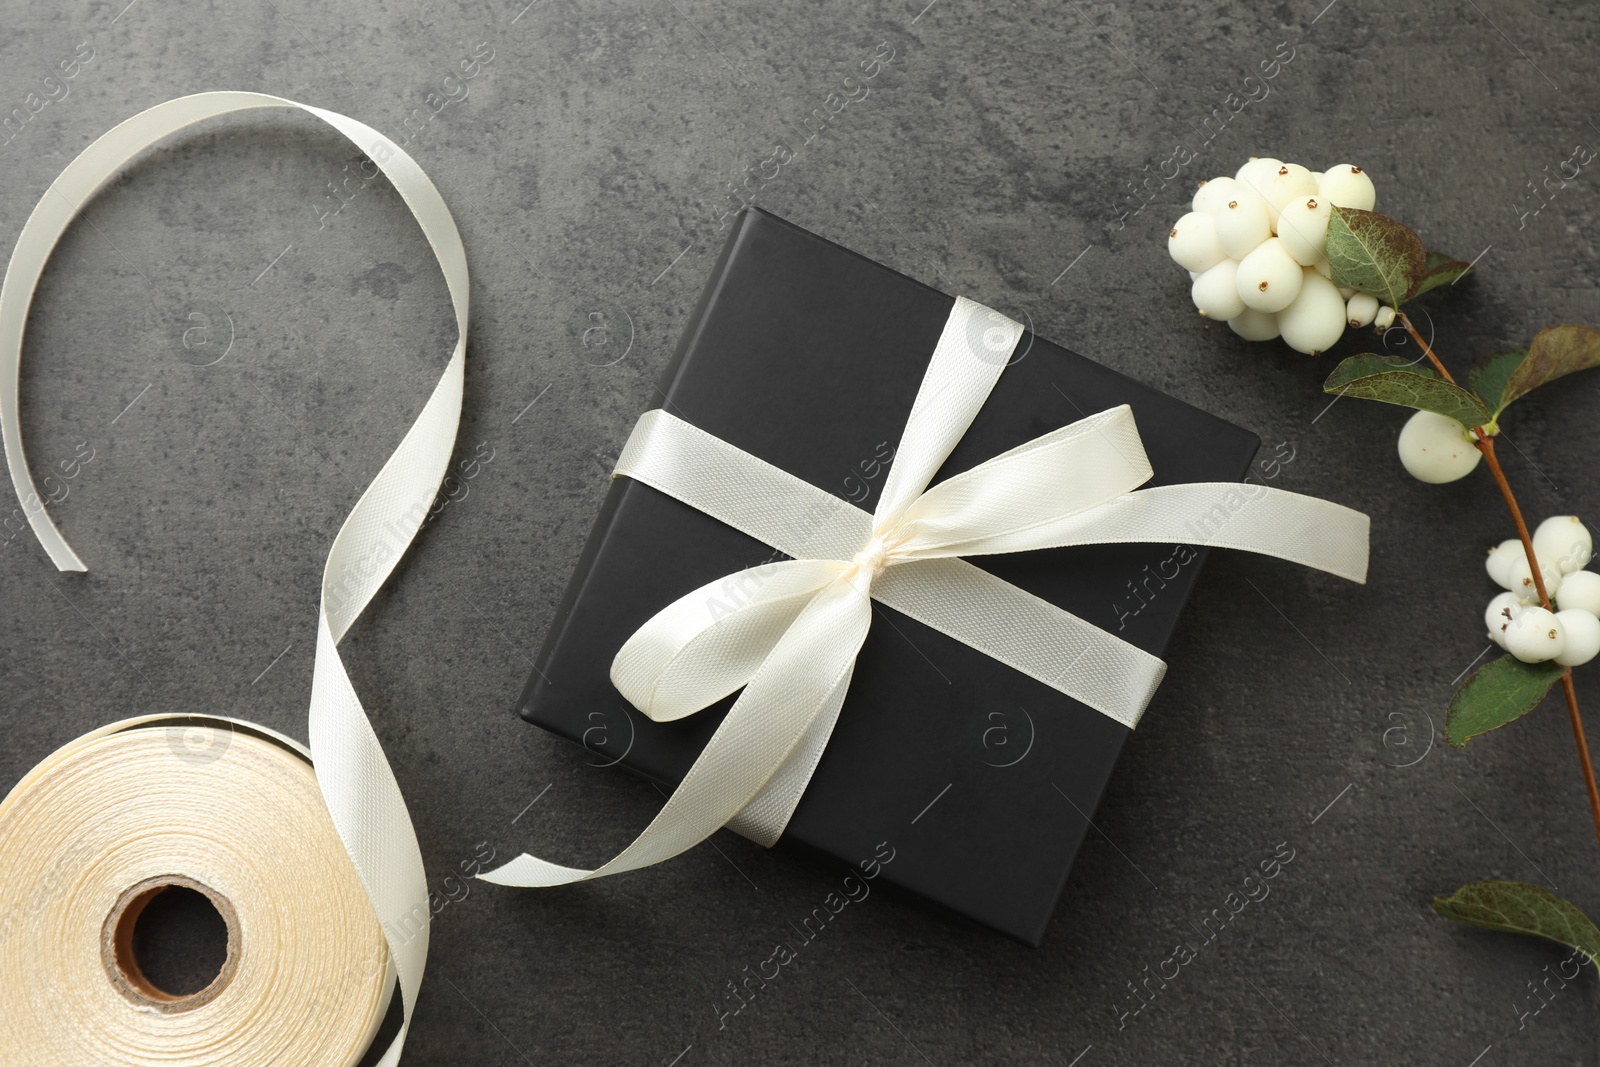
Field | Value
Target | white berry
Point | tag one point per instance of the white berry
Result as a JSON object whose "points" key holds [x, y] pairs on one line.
{"points": [[1255, 325], [1499, 614], [1522, 583], [1315, 321], [1348, 186], [1216, 291], [1243, 222], [1292, 182], [1279, 185], [1535, 635], [1582, 632], [1384, 318], [1269, 279], [1362, 308], [1580, 590], [1192, 242], [1303, 228], [1435, 449], [1499, 560], [1564, 541], [1213, 195], [1257, 169]]}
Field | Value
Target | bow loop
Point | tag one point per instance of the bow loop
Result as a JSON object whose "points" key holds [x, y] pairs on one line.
{"points": [[994, 506], [973, 349], [761, 755], [710, 642]]}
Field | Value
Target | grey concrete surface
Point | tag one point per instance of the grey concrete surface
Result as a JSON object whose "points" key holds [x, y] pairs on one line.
{"points": [[589, 166]]}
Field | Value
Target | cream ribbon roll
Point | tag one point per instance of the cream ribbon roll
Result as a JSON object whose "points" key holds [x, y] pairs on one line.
{"points": [[219, 806]]}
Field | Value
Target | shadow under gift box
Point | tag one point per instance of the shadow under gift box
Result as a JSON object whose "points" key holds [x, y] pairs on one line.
{"points": [[981, 779]]}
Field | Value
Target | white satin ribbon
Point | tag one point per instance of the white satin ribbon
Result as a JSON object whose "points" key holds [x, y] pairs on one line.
{"points": [[354, 775], [787, 633]]}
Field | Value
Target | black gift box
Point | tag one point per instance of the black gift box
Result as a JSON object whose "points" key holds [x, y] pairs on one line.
{"points": [[981, 780]]}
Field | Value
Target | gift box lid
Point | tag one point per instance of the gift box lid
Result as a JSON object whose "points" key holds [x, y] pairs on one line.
{"points": [[981, 780]]}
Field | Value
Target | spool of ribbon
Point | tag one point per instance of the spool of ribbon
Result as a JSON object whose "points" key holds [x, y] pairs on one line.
{"points": [[105, 824], [790, 643], [361, 798]]}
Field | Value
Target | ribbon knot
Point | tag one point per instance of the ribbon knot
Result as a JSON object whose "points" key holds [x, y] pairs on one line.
{"points": [[874, 559]]}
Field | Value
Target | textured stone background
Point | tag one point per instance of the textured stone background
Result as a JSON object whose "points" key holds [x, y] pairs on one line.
{"points": [[589, 167]]}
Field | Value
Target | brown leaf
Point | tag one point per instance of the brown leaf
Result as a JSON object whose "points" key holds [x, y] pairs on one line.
{"points": [[1554, 353]]}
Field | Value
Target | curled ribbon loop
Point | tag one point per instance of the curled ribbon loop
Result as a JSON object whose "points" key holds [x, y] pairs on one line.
{"points": [[787, 633], [352, 771]]}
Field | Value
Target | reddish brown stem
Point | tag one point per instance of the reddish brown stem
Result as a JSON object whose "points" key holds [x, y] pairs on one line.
{"points": [[1427, 350], [1583, 746], [1485, 444]]}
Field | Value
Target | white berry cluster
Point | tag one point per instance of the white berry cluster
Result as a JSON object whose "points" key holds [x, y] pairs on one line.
{"points": [[1519, 623], [1254, 249]]}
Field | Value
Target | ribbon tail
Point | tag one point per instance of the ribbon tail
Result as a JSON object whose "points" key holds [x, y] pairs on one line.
{"points": [[806, 670], [1240, 515], [765, 818]]}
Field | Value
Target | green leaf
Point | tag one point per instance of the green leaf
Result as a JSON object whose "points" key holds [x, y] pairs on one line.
{"points": [[1520, 908], [1488, 377], [1375, 254], [1439, 269], [1394, 381], [1553, 353], [1499, 692]]}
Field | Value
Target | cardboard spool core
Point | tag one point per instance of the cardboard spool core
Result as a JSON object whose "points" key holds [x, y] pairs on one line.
{"points": [[122, 965]]}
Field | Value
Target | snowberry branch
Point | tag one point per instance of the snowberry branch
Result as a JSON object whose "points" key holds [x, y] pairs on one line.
{"points": [[1484, 441], [1280, 251]]}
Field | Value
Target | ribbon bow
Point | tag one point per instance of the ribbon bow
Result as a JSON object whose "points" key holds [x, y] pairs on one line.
{"points": [[788, 633]]}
